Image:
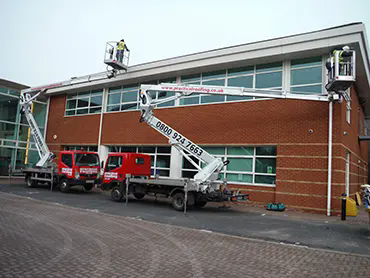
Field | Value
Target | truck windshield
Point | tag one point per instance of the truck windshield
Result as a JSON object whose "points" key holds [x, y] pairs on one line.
{"points": [[86, 159]]}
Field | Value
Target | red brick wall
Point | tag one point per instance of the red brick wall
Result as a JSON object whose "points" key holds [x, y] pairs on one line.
{"points": [[77, 130], [302, 157]]}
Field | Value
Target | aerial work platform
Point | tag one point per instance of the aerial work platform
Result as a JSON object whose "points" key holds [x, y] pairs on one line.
{"points": [[114, 58]]}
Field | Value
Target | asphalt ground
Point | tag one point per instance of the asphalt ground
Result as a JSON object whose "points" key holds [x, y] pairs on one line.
{"points": [[317, 232]]}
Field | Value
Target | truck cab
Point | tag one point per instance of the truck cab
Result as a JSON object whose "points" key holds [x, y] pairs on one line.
{"points": [[78, 168], [118, 165]]}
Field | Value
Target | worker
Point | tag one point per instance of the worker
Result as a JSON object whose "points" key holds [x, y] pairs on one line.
{"points": [[343, 70], [121, 46]]}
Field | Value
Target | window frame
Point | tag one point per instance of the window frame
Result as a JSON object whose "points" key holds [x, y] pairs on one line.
{"points": [[82, 95]]}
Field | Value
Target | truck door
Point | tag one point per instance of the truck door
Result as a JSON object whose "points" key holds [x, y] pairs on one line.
{"points": [[113, 169], [65, 165]]}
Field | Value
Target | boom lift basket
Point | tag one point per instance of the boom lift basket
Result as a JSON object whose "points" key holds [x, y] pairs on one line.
{"points": [[341, 68], [111, 56]]}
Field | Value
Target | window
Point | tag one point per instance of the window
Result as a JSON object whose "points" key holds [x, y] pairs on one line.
{"points": [[140, 160], [247, 165], [81, 148], [160, 157], [86, 159], [306, 75], [267, 76], [114, 162], [84, 103], [67, 159]]}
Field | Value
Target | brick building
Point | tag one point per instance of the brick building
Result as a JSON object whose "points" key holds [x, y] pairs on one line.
{"points": [[278, 149]]}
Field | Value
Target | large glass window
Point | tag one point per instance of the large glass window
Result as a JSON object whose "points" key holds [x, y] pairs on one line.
{"points": [[160, 157], [306, 75], [81, 148], [247, 165], [84, 103]]}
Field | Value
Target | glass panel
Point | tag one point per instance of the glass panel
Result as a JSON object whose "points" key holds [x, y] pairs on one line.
{"points": [[39, 113], [240, 150], [163, 149], [96, 101], [129, 96], [186, 164], [312, 61], [8, 108], [213, 74], [70, 112], [4, 90], [266, 151], [269, 67], [162, 173], [240, 71], [93, 149], [168, 80], [115, 90], [82, 111], [240, 164], [242, 81], [266, 165], [114, 149], [190, 100], [314, 89], [265, 179], [69, 96], [113, 108], [239, 177], [67, 159], [215, 150], [129, 106], [213, 98], [6, 155], [146, 149], [71, 104], [188, 174], [8, 143], [114, 98], [127, 149], [23, 133], [163, 161], [14, 92], [190, 78], [97, 92], [83, 95], [219, 82], [306, 76], [83, 102], [269, 80], [131, 87], [165, 95], [95, 110], [8, 131]]}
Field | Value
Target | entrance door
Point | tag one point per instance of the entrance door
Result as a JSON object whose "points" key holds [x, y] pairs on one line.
{"points": [[347, 173]]}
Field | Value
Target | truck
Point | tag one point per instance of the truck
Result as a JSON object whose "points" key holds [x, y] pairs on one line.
{"points": [[73, 167]]}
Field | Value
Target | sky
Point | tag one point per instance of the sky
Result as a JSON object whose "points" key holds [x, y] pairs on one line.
{"points": [[45, 41]]}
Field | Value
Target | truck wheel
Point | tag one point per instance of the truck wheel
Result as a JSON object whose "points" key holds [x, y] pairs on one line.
{"points": [[178, 201], [29, 182], [139, 196], [88, 187], [116, 194], [200, 204], [64, 185]]}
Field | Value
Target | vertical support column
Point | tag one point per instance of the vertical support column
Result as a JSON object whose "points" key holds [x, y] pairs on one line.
{"points": [[330, 147], [176, 163], [104, 105], [103, 153]]}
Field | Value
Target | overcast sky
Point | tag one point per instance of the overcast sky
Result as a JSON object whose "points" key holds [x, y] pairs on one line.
{"points": [[44, 41]]}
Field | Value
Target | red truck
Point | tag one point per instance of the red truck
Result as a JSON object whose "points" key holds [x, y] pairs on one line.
{"points": [[74, 168], [118, 165]]}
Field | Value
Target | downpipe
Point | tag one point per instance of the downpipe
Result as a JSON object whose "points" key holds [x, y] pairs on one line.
{"points": [[330, 148]]}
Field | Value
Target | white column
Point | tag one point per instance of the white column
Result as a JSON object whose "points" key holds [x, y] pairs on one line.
{"points": [[103, 153], [176, 163]]}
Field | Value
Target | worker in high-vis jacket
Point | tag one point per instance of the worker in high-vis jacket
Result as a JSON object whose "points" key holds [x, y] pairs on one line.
{"points": [[342, 55], [121, 47]]}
